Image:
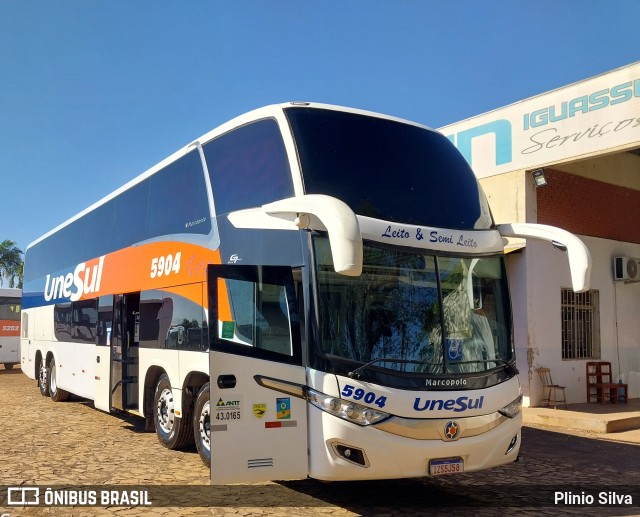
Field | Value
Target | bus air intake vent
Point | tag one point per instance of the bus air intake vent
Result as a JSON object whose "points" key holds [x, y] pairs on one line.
{"points": [[260, 462]]}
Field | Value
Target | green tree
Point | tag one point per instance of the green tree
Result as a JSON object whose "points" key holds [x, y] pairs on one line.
{"points": [[10, 263]]}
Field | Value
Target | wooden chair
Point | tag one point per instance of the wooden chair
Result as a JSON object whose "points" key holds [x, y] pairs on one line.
{"points": [[600, 385], [550, 390]]}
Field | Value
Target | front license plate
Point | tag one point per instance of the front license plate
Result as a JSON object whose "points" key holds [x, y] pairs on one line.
{"points": [[446, 466]]}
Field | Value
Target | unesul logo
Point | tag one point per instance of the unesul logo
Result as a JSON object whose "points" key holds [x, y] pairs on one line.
{"points": [[83, 280], [457, 405]]}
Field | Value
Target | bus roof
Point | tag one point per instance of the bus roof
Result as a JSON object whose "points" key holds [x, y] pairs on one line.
{"points": [[256, 114], [10, 292]]}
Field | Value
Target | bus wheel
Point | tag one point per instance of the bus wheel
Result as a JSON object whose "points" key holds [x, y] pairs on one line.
{"points": [[43, 379], [202, 425], [173, 432], [57, 394], [8, 366]]}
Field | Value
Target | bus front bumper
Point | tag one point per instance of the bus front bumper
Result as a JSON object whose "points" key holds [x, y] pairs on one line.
{"points": [[345, 451]]}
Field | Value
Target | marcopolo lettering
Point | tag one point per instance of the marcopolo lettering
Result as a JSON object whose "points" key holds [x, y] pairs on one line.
{"points": [[83, 280], [457, 405], [446, 382]]}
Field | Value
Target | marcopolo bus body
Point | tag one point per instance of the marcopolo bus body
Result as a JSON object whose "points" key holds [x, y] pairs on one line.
{"points": [[306, 290], [10, 326]]}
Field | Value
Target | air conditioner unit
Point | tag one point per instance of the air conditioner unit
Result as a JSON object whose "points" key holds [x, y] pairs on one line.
{"points": [[626, 269]]}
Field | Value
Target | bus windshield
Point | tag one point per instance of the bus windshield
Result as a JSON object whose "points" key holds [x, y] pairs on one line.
{"points": [[387, 169], [395, 312]]}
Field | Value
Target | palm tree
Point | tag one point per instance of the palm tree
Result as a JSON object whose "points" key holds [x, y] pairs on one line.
{"points": [[10, 263]]}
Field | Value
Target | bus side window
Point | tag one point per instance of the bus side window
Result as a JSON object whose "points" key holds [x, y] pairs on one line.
{"points": [[105, 320], [25, 325], [249, 167], [85, 321], [257, 316], [178, 200], [62, 321], [150, 322], [171, 321]]}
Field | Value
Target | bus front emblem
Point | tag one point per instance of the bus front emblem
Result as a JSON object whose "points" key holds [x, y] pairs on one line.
{"points": [[451, 430]]}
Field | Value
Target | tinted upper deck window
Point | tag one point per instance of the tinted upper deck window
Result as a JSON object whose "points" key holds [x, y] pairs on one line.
{"points": [[172, 201], [178, 201], [248, 167], [385, 169]]}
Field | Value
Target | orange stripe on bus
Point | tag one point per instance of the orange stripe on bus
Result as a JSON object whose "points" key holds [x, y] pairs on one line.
{"points": [[158, 265], [224, 307], [192, 292]]}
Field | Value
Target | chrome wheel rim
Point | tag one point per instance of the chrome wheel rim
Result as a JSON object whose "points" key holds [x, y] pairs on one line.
{"points": [[165, 411], [204, 426], [42, 378], [53, 386]]}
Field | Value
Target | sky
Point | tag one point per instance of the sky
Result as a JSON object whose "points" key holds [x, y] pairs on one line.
{"points": [[93, 93]]}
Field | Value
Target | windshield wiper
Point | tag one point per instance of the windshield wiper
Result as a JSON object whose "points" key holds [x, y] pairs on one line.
{"points": [[504, 364], [355, 374], [511, 369]]}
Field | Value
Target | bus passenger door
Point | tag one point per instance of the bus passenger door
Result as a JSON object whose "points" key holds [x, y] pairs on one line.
{"points": [[258, 413], [125, 339], [102, 393]]}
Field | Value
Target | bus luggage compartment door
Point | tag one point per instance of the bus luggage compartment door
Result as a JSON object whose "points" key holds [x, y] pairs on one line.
{"points": [[258, 413]]}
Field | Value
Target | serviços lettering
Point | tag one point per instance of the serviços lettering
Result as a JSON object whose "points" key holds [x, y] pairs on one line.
{"points": [[83, 280], [434, 237]]}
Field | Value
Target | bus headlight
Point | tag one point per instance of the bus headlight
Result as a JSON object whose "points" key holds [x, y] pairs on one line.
{"points": [[511, 410], [345, 409]]}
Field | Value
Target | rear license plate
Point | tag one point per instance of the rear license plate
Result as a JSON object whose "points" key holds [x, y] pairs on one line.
{"points": [[446, 466]]}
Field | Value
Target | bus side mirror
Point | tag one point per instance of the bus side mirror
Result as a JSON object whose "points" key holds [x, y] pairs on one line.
{"points": [[312, 212], [577, 253]]}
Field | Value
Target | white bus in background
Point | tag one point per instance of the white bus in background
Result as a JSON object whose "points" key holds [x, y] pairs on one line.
{"points": [[330, 278], [10, 300]]}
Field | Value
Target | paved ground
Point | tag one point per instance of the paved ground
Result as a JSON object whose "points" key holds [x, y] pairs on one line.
{"points": [[71, 444]]}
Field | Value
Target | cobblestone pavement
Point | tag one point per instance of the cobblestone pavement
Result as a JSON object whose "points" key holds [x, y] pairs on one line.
{"points": [[71, 444]]}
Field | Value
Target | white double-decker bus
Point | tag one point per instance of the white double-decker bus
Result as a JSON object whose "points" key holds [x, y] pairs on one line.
{"points": [[307, 290], [10, 327]]}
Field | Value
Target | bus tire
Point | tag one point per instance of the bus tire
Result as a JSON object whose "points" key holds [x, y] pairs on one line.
{"points": [[8, 366], [56, 393], [202, 425], [173, 432], [43, 379]]}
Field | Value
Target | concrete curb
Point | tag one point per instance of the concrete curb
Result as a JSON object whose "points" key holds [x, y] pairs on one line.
{"points": [[603, 419]]}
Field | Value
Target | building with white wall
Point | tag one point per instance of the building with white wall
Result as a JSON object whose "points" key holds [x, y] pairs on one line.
{"points": [[585, 138]]}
